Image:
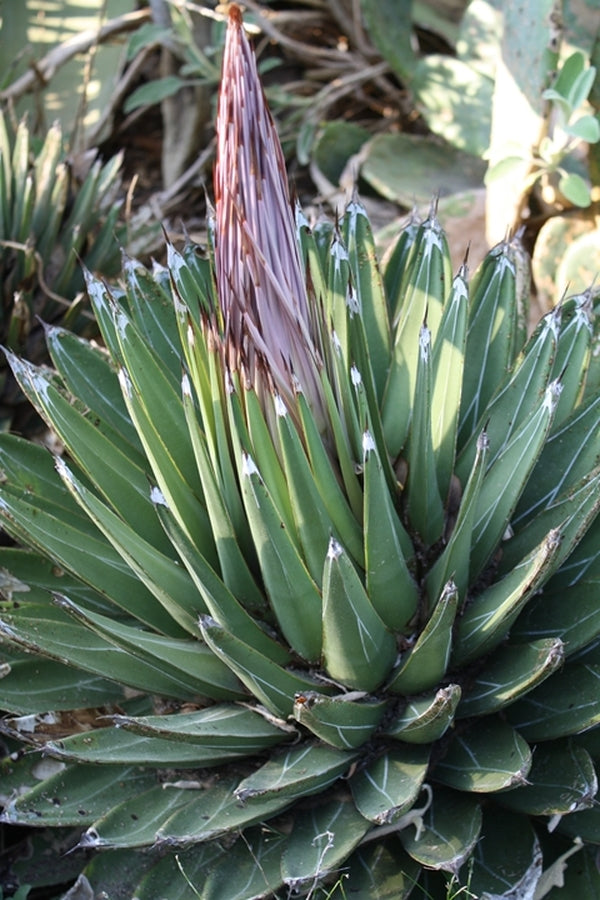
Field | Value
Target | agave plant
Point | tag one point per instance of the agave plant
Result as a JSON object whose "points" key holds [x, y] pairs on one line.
{"points": [[308, 607], [47, 222]]}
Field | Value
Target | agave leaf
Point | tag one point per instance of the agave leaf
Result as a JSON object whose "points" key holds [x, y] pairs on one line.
{"points": [[235, 569], [454, 562], [554, 474], [272, 685], [249, 870], [69, 642], [216, 810], [492, 319], [422, 293], [447, 368], [510, 672], [561, 780], [34, 571], [358, 649], [117, 746], [574, 347], [517, 394], [390, 786], [88, 373], [390, 584], [573, 511], [548, 615], [76, 795], [135, 822], [86, 556], [322, 838], [369, 288], [293, 594], [187, 660], [423, 504], [380, 870], [342, 721], [37, 685], [169, 583], [296, 772], [491, 756], [222, 604], [427, 718], [486, 621], [583, 825], [510, 863], [327, 483], [119, 478], [396, 259], [221, 726], [566, 703], [425, 663], [506, 477], [451, 828], [152, 313]]}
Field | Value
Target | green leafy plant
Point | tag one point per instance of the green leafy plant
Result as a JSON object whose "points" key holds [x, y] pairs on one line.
{"points": [[572, 126], [316, 616], [48, 222]]}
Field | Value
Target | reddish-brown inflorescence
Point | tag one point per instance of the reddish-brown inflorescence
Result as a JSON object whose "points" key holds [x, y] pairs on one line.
{"points": [[260, 280]]}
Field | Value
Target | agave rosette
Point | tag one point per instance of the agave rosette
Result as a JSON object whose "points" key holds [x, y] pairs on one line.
{"points": [[310, 601]]}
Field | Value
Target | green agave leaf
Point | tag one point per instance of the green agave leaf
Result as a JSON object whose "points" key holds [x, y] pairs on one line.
{"points": [[548, 616], [449, 831], [249, 870], [423, 504], [581, 879], [321, 840], [120, 872], [561, 780], [553, 474], [517, 394], [425, 663], [215, 810], [426, 719], [30, 570], [390, 584], [572, 511], [422, 294], [223, 605], [565, 704], [272, 685], [152, 313], [358, 649], [490, 756], [296, 772], [116, 746], [511, 672], [367, 280], [388, 787], [584, 825], [492, 318], [89, 375], [396, 258], [169, 583], [222, 726], [510, 861], [342, 721], [191, 662], [76, 795], [454, 562], [488, 618], [35, 685], [573, 356], [380, 870], [50, 631], [67, 541], [293, 594], [447, 365], [233, 564], [135, 823], [506, 477]]}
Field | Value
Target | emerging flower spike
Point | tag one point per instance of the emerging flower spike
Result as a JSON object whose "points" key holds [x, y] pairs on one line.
{"points": [[260, 281]]}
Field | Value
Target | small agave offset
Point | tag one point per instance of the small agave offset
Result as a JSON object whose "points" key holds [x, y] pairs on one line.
{"points": [[309, 606]]}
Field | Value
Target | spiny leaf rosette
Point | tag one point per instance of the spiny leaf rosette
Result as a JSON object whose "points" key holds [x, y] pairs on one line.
{"points": [[319, 618]]}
